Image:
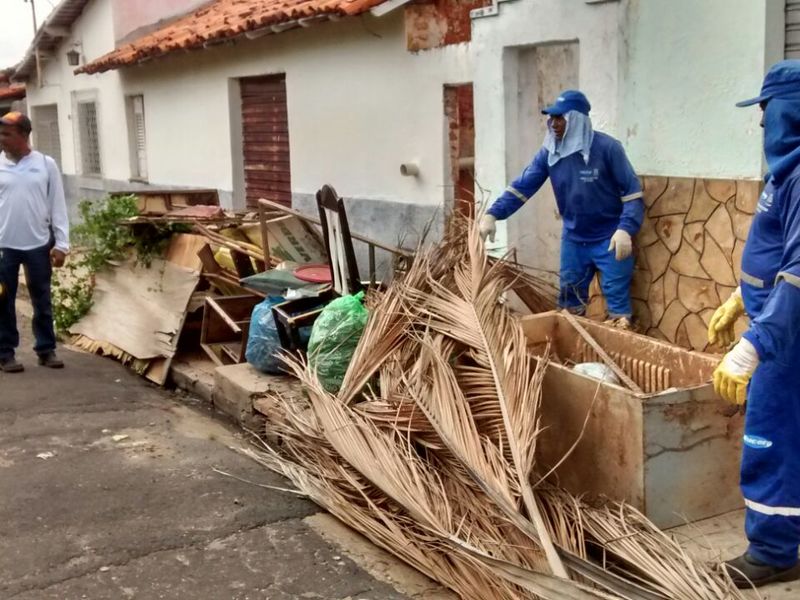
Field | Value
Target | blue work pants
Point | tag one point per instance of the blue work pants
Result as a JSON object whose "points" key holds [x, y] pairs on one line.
{"points": [[770, 476], [580, 261]]}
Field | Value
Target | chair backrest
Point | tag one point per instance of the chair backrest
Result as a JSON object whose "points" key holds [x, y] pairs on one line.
{"points": [[338, 243]]}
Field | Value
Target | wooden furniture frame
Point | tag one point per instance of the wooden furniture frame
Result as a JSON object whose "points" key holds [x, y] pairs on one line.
{"points": [[226, 325]]}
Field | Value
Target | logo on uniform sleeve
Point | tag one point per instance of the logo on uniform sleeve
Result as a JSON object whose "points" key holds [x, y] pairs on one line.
{"points": [[765, 202], [757, 442]]}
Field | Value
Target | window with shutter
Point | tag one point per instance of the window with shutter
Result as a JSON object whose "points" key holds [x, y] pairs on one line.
{"points": [[137, 137], [46, 134], [89, 139]]}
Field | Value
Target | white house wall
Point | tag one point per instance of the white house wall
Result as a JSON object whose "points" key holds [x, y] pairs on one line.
{"points": [[687, 64], [536, 230], [359, 106]]}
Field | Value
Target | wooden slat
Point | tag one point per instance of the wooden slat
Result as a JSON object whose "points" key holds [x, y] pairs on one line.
{"points": [[278, 127], [602, 353], [272, 115], [269, 167], [257, 140], [266, 176], [260, 188], [264, 145]]}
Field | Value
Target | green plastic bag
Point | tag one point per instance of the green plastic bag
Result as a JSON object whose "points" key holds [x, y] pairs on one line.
{"points": [[334, 339]]}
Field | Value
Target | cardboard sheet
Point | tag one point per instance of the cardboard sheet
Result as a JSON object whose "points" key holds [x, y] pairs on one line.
{"points": [[139, 310]]}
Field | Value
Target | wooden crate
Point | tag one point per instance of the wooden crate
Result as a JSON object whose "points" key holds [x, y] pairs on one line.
{"points": [[671, 451], [226, 325]]}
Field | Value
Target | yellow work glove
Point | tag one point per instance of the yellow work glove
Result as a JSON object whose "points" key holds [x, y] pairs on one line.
{"points": [[487, 227], [734, 372], [720, 329], [621, 244]]}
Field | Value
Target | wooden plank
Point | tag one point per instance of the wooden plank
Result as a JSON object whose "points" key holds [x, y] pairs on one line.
{"points": [[265, 123], [220, 312], [261, 189], [280, 198], [206, 256], [244, 267], [256, 139], [268, 167], [275, 115], [183, 250], [262, 145], [602, 353], [257, 175]]}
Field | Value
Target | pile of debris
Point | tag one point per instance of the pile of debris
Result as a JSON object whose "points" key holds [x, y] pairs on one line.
{"points": [[201, 291], [430, 450]]}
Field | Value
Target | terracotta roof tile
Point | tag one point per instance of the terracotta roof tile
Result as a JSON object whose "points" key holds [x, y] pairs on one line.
{"points": [[220, 21], [12, 92]]}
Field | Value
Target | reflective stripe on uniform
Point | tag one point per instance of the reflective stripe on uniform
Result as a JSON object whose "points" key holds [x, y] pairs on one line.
{"points": [[772, 511], [517, 193], [788, 278], [754, 281], [633, 196]]}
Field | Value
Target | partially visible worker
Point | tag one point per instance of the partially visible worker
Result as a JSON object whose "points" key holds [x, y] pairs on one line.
{"points": [[763, 368], [599, 198], [34, 234]]}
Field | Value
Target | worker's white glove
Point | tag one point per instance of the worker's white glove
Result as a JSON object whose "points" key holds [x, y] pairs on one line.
{"points": [[734, 372], [487, 227], [621, 244]]}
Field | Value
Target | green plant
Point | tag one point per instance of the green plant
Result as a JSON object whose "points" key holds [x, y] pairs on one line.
{"points": [[71, 300], [102, 239]]}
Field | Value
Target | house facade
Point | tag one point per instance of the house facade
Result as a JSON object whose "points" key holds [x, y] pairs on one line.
{"points": [[410, 107], [336, 100]]}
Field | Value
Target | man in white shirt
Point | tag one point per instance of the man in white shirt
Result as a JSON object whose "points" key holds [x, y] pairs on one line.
{"points": [[34, 233]]}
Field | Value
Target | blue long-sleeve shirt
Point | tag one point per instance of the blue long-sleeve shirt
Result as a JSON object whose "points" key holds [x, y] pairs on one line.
{"points": [[770, 278], [594, 199]]}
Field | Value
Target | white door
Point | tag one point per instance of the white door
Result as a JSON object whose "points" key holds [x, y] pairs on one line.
{"points": [[535, 75]]}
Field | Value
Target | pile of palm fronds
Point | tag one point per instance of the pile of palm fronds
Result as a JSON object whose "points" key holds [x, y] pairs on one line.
{"points": [[429, 450]]}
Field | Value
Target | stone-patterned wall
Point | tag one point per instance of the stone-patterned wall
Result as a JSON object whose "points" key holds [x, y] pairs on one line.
{"points": [[688, 255]]}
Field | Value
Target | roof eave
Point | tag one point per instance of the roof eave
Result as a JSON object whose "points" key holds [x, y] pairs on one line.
{"points": [[55, 28], [272, 28]]}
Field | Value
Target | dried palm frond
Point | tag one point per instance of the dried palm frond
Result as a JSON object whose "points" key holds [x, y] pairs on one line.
{"points": [[429, 449]]}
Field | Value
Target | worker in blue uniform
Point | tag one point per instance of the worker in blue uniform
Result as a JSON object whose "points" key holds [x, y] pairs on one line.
{"points": [[599, 198], [763, 368]]}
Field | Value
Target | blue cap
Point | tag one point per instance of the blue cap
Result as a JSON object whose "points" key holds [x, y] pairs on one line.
{"points": [[567, 101], [783, 79]]}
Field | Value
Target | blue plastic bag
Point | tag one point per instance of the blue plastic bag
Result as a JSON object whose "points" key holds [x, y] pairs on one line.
{"points": [[263, 342]]}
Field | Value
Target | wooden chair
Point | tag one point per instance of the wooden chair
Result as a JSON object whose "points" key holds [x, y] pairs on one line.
{"points": [[293, 315], [338, 242]]}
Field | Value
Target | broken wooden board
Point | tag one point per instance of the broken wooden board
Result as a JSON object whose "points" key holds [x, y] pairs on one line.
{"points": [[184, 250]]}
